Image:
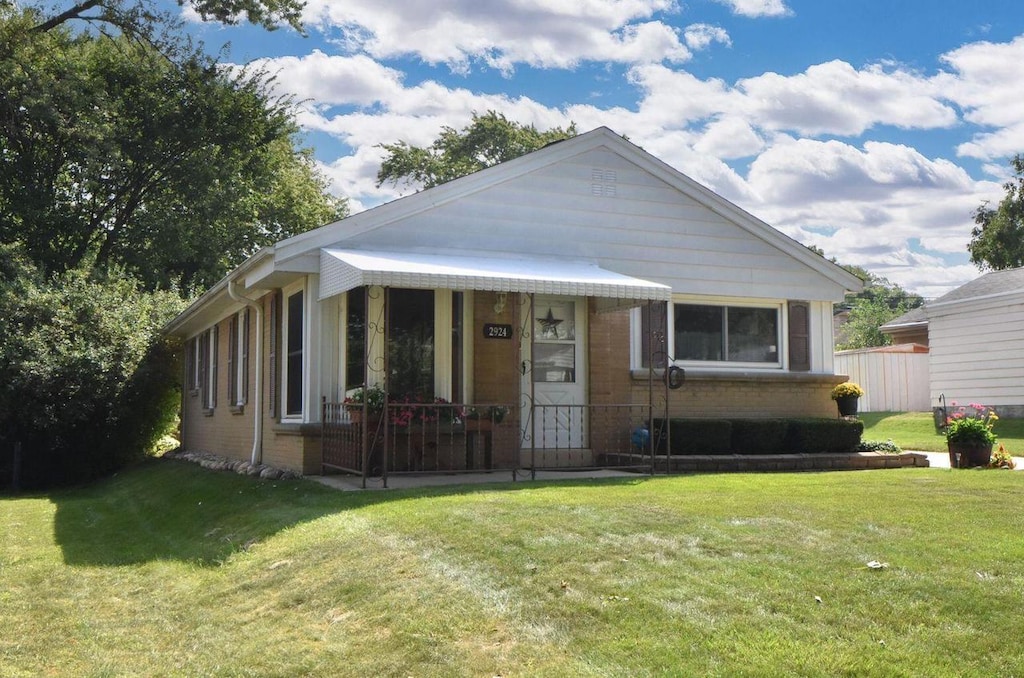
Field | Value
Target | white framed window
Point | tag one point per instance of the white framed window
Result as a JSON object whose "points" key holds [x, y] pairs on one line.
{"points": [[207, 366], [192, 362], [729, 334], [238, 359], [293, 366], [715, 333]]}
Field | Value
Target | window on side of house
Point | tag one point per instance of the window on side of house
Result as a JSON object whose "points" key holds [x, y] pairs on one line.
{"points": [[207, 346], [238, 359], [192, 361], [294, 328], [731, 335]]}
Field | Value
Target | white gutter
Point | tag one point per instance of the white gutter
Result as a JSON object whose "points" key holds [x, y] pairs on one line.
{"points": [[257, 436]]}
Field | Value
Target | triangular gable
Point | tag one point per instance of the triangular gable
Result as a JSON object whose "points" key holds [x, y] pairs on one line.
{"points": [[352, 231]]}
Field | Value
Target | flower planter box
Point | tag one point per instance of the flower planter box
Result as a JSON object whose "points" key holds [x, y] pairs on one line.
{"points": [[847, 405], [969, 455]]}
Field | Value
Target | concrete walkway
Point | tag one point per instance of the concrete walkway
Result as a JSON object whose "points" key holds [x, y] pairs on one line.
{"points": [[399, 482], [941, 460]]}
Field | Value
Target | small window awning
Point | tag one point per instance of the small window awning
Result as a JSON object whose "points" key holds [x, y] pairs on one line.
{"points": [[343, 270]]}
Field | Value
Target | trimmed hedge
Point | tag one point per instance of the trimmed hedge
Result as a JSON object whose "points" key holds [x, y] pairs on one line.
{"points": [[758, 436]]}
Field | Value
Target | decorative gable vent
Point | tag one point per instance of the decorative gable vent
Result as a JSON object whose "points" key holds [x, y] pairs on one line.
{"points": [[602, 182]]}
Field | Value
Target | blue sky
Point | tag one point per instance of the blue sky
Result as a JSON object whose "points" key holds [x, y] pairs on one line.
{"points": [[871, 129]]}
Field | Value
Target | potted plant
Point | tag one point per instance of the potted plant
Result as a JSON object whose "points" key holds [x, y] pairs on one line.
{"points": [[482, 418], [368, 400], [846, 395], [969, 436]]}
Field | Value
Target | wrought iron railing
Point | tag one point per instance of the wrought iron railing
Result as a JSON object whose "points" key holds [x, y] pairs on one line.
{"points": [[454, 438]]}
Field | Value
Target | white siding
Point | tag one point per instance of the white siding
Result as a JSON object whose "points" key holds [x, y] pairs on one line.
{"points": [[647, 229], [977, 353], [892, 382]]}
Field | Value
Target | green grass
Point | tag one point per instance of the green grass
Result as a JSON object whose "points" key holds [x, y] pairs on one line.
{"points": [[169, 569], [916, 431]]}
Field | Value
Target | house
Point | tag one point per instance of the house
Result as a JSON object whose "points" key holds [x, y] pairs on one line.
{"points": [[909, 328], [976, 343], [510, 318]]}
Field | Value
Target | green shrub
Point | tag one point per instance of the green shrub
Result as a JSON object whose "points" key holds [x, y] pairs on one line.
{"points": [[701, 436], [759, 436], [823, 435], [86, 382]]}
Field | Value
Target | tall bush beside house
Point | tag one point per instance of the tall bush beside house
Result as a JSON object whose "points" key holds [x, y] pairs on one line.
{"points": [[86, 383]]}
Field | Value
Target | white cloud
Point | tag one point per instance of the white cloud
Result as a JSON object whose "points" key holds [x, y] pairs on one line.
{"points": [[987, 83], [728, 138], [835, 98], [757, 8], [334, 80], [700, 36], [539, 33]]}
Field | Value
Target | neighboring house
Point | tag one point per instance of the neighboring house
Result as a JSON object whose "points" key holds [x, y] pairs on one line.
{"points": [[976, 339], [543, 287], [909, 328]]}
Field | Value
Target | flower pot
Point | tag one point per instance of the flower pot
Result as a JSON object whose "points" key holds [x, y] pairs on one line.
{"points": [[969, 455], [847, 405]]}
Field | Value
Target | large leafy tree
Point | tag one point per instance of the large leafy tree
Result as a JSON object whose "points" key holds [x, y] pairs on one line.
{"points": [[997, 241], [489, 139], [115, 154], [143, 19]]}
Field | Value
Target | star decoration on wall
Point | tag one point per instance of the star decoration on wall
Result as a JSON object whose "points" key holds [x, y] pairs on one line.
{"points": [[549, 324]]}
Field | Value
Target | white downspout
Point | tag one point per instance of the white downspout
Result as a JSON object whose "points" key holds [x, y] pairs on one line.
{"points": [[257, 436]]}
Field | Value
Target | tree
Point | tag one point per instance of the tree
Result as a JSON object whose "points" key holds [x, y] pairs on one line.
{"points": [[115, 155], [490, 139], [87, 384], [997, 242], [140, 18], [879, 302], [876, 304]]}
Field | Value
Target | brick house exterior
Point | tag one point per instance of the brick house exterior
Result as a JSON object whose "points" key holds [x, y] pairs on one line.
{"points": [[538, 283]]}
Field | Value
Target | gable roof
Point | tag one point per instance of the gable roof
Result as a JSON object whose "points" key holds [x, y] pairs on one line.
{"points": [[810, 273], [992, 284], [912, 318], [308, 243]]}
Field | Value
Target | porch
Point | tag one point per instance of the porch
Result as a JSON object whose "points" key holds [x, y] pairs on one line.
{"points": [[419, 439]]}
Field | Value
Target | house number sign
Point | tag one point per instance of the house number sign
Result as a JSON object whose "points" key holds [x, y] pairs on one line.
{"points": [[497, 331]]}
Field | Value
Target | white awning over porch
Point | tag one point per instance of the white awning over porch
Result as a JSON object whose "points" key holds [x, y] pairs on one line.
{"points": [[343, 270]]}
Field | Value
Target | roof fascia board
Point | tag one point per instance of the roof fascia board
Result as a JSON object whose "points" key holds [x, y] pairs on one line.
{"points": [[218, 290], [983, 301]]}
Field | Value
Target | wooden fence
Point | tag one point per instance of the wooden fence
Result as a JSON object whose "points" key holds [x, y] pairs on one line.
{"points": [[894, 378]]}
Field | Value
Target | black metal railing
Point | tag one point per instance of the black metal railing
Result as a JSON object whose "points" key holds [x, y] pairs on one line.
{"points": [[407, 437]]}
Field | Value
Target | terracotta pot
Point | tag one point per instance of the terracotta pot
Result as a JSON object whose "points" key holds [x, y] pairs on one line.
{"points": [[969, 455], [847, 405]]}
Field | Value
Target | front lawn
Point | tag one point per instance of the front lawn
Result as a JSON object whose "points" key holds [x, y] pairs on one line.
{"points": [[169, 569], [916, 431]]}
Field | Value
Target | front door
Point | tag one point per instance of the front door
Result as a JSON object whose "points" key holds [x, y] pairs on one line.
{"points": [[555, 352]]}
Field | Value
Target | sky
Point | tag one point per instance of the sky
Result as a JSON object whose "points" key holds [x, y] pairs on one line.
{"points": [[871, 129]]}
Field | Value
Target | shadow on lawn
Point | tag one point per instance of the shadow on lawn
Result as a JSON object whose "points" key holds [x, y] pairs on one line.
{"points": [[174, 510]]}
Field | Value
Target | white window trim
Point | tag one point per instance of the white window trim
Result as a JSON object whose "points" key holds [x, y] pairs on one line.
{"points": [[240, 358], [442, 341], [194, 385], [211, 368], [636, 340], [286, 294]]}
